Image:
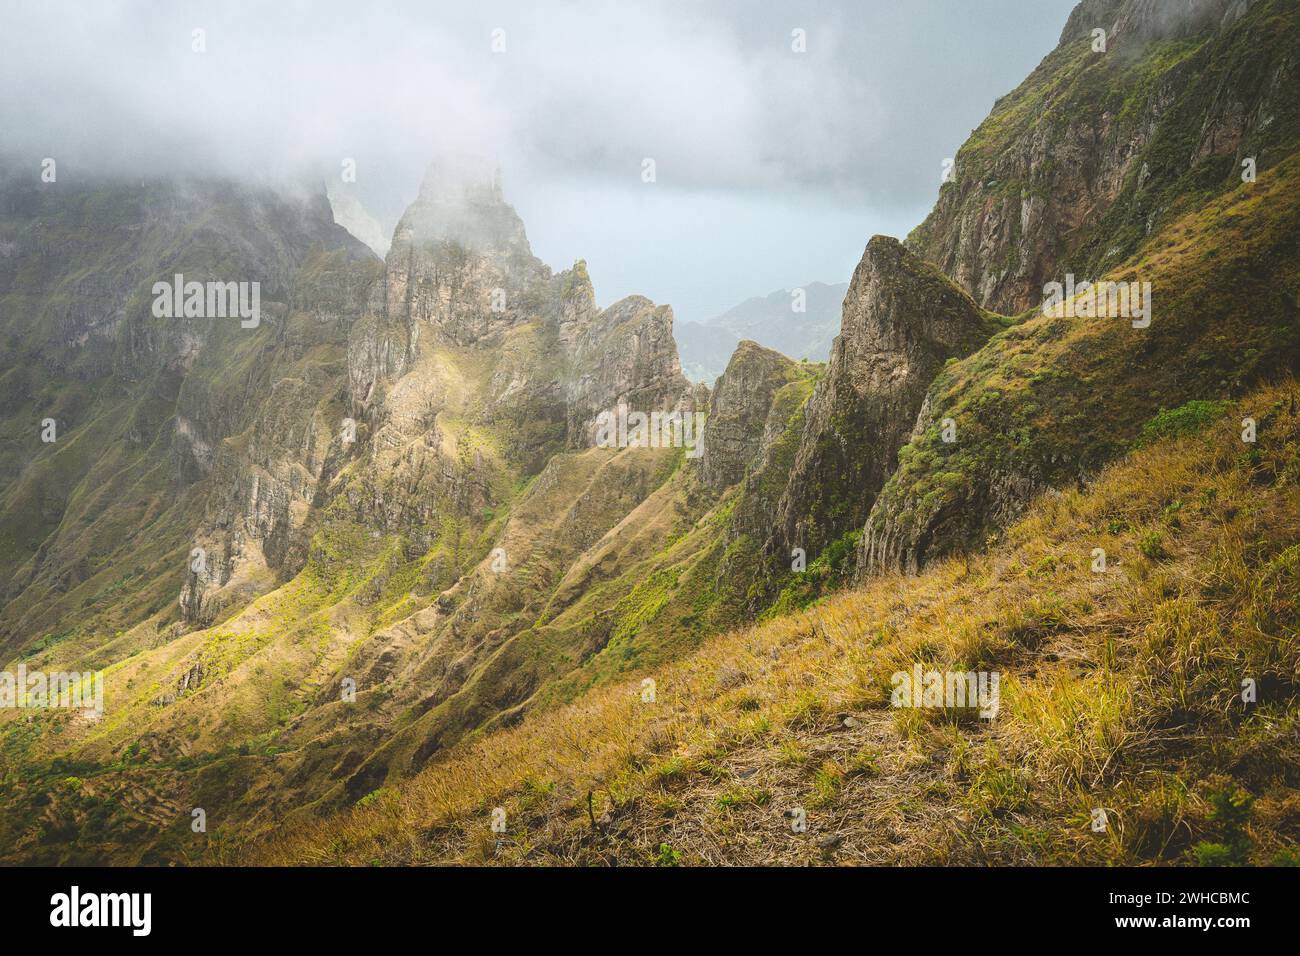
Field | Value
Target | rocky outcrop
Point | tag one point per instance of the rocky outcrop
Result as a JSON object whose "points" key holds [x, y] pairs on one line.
{"points": [[1050, 401], [1142, 21], [902, 320], [901, 534], [472, 373], [166, 409], [624, 355], [738, 427], [461, 273], [460, 264], [1145, 132], [269, 445], [1133, 125]]}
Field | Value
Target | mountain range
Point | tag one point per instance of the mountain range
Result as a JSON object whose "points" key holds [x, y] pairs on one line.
{"points": [[801, 323], [367, 583]]}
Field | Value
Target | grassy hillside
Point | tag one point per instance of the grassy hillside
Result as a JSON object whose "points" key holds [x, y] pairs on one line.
{"points": [[1120, 690], [620, 647], [1100, 149], [1049, 400]]}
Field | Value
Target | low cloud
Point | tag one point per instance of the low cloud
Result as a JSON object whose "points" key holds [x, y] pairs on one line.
{"points": [[583, 93]]}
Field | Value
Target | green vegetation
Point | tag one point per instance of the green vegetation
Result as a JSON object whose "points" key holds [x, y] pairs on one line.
{"points": [[1121, 692], [1184, 420], [468, 607], [1050, 400]]}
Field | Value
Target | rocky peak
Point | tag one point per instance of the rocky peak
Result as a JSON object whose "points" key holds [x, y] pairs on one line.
{"points": [[460, 261], [1148, 153], [577, 303], [902, 320], [738, 412], [625, 354], [465, 206], [1142, 21], [1031, 201]]}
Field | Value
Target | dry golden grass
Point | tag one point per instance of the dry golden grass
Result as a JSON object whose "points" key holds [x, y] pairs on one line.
{"points": [[1120, 690]]}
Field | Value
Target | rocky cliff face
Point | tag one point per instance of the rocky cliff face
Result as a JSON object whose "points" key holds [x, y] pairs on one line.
{"points": [[1137, 22], [1142, 165], [1172, 107], [467, 365], [476, 373], [627, 355], [396, 461], [460, 263], [150, 409], [902, 320], [264, 470], [739, 427]]}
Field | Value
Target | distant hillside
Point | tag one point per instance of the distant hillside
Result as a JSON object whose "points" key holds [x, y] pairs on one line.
{"points": [[769, 320], [704, 350]]}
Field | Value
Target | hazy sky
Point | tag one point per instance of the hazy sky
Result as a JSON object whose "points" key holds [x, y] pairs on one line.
{"points": [[773, 168]]}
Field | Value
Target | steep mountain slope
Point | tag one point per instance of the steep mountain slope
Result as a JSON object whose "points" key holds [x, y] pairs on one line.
{"points": [[1100, 149], [1120, 691], [418, 560], [902, 320], [1032, 403], [93, 535], [1047, 402], [352, 472]]}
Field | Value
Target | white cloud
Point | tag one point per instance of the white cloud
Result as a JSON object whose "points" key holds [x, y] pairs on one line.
{"points": [[858, 125]]}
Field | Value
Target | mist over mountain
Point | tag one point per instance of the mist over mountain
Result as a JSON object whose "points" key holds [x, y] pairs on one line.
{"points": [[356, 219], [747, 135], [800, 323]]}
